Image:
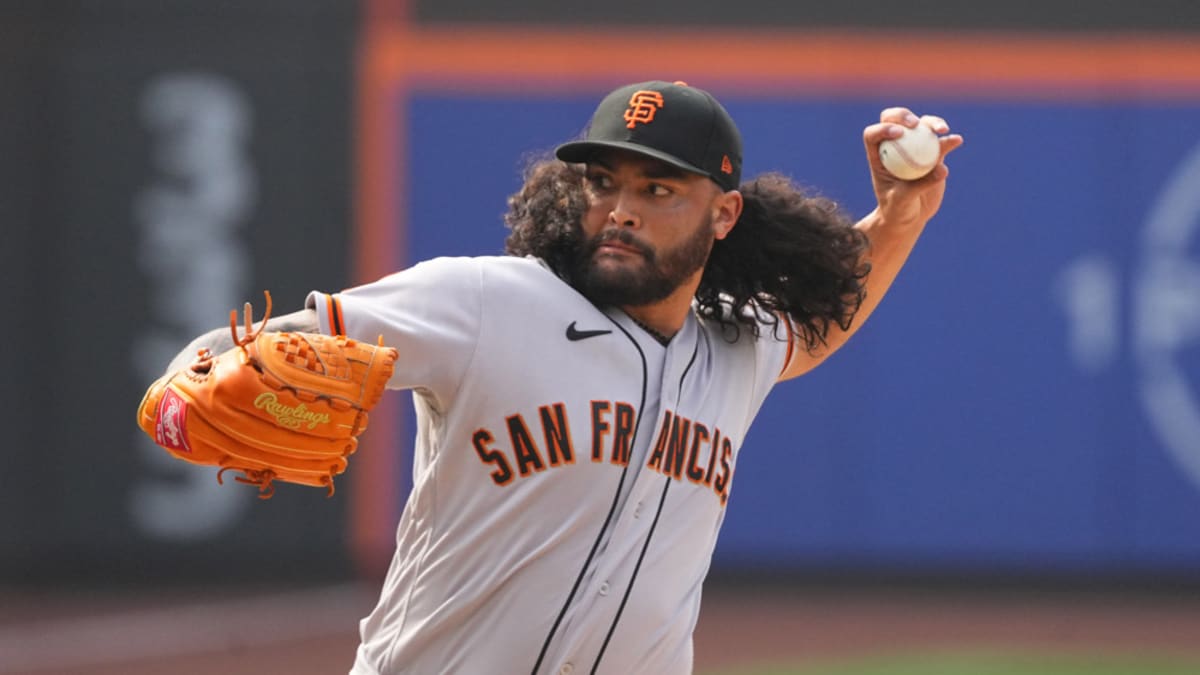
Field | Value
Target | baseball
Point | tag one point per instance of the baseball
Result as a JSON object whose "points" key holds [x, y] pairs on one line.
{"points": [[912, 155]]}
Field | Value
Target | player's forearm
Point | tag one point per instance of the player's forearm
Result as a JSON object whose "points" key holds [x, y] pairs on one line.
{"points": [[221, 339], [891, 244]]}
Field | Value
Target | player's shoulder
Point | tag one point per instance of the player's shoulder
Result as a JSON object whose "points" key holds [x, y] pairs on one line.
{"points": [[495, 263], [733, 333], [494, 269], [753, 329], [467, 268], [750, 321], [515, 266], [498, 275]]}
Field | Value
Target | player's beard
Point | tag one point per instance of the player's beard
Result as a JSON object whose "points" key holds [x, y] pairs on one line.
{"points": [[660, 274]]}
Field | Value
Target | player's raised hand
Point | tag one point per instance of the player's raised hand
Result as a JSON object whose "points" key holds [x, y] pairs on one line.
{"points": [[908, 203]]}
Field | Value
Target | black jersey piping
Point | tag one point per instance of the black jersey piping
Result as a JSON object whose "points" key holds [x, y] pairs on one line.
{"points": [[662, 499], [587, 563]]}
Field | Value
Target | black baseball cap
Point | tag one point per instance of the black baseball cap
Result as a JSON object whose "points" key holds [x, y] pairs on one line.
{"points": [[669, 121]]}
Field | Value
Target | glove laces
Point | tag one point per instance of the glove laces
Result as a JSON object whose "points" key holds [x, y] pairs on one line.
{"points": [[250, 334], [263, 479]]}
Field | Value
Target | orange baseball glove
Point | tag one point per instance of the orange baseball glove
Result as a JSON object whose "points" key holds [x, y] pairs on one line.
{"points": [[278, 406]]}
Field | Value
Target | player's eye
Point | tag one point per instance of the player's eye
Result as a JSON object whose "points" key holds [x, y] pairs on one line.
{"points": [[659, 190], [599, 181]]}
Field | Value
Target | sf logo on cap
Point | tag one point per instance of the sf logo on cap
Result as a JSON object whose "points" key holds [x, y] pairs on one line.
{"points": [[642, 107]]}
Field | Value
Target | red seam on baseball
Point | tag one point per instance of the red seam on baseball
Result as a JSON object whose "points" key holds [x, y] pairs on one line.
{"points": [[904, 156]]}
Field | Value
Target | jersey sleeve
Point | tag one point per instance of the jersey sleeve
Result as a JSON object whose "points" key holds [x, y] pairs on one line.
{"points": [[773, 352], [429, 312], [786, 332]]}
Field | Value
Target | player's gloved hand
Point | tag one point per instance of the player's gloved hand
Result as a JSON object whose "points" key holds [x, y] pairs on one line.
{"points": [[277, 406]]}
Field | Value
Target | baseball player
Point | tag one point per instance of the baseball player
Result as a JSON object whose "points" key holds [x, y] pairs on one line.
{"points": [[581, 402]]}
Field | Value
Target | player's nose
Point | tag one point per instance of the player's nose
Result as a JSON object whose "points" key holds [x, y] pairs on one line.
{"points": [[624, 213]]}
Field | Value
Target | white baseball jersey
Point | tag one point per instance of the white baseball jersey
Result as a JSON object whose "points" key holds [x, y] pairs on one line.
{"points": [[570, 472]]}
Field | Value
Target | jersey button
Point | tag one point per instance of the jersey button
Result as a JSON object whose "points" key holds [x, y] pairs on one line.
{"points": [[566, 669], [637, 510], [604, 588]]}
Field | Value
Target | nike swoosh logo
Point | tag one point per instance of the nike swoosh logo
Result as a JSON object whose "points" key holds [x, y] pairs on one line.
{"points": [[574, 334]]}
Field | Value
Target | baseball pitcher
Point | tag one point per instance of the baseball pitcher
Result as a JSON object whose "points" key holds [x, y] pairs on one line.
{"points": [[581, 402]]}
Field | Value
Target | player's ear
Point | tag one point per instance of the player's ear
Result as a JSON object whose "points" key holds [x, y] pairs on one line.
{"points": [[726, 209]]}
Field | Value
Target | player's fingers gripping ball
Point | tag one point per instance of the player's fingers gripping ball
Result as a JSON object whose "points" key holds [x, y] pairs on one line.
{"points": [[278, 406]]}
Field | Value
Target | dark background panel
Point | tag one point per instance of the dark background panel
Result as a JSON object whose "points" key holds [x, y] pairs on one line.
{"points": [[1056, 15], [163, 162], [20, 167]]}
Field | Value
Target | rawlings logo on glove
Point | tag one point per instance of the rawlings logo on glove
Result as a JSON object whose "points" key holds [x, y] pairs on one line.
{"points": [[168, 424], [278, 406], [291, 418]]}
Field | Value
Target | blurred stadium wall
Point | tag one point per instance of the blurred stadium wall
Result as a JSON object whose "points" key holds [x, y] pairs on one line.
{"points": [[1024, 407], [162, 163]]}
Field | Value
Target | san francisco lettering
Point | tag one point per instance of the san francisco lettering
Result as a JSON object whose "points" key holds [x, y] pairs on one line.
{"points": [[684, 449], [687, 450], [292, 417]]}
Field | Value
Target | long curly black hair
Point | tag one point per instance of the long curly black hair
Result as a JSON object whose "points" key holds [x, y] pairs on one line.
{"points": [[790, 253]]}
